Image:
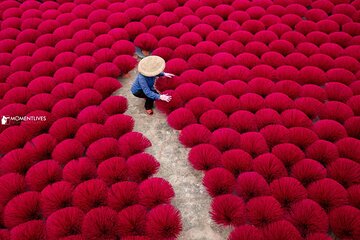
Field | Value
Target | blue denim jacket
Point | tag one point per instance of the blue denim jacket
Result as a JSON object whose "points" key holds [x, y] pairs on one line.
{"points": [[146, 84]]}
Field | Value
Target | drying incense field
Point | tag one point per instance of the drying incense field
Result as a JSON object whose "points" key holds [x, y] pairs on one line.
{"points": [[260, 141]]}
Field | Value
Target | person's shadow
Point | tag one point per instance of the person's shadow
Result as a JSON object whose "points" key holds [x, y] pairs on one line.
{"points": [[141, 53]]}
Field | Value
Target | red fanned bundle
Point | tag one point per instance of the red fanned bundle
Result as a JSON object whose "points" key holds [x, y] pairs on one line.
{"points": [[250, 185], [11, 138], [338, 92], [253, 143], [155, 191], [302, 137], [184, 51], [313, 91], [308, 217], [352, 127], [295, 118], [207, 47], [242, 121], [329, 130], [16, 161], [40, 147], [275, 134], [41, 85], [11, 185], [102, 149], [55, 197], [228, 209], [236, 161], [67, 150], [104, 55], [288, 153], [123, 47], [262, 211], [177, 66], [65, 74], [269, 166], [254, 77], [164, 52], [287, 191], [353, 194], [235, 87], [125, 63], [349, 148], [22, 208], [279, 102], [211, 90], [281, 230], [42, 174], [228, 104], [323, 151], [344, 171], [214, 119], [92, 114], [64, 128], [18, 95], [354, 105], [204, 157], [180, 118], [90, 194], [337, 111], [251, 102], [114, 104], [66, 107], [308, 171], [226, 139], [163, 222], [30, 230], [112, 170], [80, 170], [122, 195], [119, 124], [194, 134], [328, 193], [100, 223], [199, 105], [246, 232], [141, 166], [64, 223], [132, 143], [345, 222], [87, 97], [131, 221], [218, 181], [261, 86]]}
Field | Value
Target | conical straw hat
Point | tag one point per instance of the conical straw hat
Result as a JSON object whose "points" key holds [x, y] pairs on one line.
{"points": [[151, 66]]}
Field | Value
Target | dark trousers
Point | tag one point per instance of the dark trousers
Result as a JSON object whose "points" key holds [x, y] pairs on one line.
{"points": [[149, 103]]}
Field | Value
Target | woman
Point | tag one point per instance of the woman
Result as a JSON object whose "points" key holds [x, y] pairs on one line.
{"points": [[149, 69]]}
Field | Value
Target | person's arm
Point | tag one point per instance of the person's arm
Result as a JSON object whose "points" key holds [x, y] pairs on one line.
{"points": [[168, 75], [165, 74], [147, 91]]}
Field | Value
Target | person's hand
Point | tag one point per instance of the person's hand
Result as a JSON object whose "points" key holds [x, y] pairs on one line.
{"points": [[169, 75], [165, 98]]}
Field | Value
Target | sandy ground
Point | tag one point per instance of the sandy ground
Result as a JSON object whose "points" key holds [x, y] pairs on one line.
{"points": [[190, 196]]}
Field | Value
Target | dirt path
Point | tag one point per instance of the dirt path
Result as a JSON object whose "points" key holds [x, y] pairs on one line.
{"points": [[190, 196]]}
